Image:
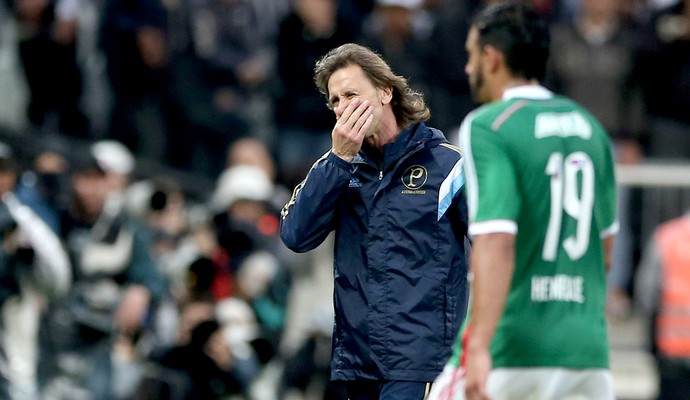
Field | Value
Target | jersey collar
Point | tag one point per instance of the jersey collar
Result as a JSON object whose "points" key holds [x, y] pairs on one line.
{"points": [[534, 92]]}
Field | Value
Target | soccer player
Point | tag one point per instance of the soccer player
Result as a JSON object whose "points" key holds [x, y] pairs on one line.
{"points": [[542, 199]]}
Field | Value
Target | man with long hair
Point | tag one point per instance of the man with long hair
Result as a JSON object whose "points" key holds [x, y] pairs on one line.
{"points": [[390, 188]]}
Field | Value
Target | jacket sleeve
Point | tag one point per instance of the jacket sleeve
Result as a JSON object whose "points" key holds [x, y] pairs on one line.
{"points": [[53, 270], [310, 214]]}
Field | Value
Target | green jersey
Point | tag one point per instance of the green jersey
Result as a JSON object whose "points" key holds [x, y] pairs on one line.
{"points": [[541, 167]]}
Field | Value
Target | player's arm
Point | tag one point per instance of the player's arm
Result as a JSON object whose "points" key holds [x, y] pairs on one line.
{"points": [[607, 197], [490, 175], [492, 268], [608, 251]]}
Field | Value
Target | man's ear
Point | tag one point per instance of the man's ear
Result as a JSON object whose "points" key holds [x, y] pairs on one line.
{"points": [[492, 57], [386, 95]]}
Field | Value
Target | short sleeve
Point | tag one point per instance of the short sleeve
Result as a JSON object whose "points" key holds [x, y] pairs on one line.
{"points": [[492, 186], [607, 191]]}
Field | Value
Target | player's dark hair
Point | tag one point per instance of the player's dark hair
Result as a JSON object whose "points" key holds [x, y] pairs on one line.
{"points": [[517, 31]]}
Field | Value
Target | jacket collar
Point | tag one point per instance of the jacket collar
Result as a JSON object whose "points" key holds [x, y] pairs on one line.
{"points": [[408, 139]]}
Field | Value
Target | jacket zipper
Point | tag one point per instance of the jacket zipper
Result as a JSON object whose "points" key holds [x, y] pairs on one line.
{"points": [[380, 175]]}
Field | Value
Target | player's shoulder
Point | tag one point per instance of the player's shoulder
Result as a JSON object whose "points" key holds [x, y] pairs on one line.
{"points": [[487, 113], [492, 116]]}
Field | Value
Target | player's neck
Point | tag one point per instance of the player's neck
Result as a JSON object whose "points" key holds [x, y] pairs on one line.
{"points": [[512, 82]]}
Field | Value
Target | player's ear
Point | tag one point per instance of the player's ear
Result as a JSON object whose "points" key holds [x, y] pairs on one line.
{"points": [[492, 57]]}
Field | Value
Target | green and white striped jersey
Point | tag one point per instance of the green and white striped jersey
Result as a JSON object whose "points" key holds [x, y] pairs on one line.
{"points": [[541, 167]]}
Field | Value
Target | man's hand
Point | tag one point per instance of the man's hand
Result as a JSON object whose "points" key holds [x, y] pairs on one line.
{"points": [[351, 128], [132, 310], [477, 370]]}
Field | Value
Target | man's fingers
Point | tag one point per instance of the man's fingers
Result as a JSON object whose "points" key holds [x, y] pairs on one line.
{"points": [[351, 128], [345, 117], [364, 126], [356, 116], [351, 117]]}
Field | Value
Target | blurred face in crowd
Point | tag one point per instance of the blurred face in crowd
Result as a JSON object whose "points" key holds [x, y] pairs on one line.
{"points": [[318, 15], [251, 152], [397, 20], [350, 83], [50, 163], [8, 178], [474, 68], [601, 9], [51, 169], [247, 210], [91, 190]]}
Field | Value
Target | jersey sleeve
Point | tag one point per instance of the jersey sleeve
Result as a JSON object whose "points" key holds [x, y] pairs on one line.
{"points": [[492, 185], [607, 192]]}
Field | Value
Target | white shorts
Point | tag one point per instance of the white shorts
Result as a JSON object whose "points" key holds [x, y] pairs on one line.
{"points": [[529, 384]]}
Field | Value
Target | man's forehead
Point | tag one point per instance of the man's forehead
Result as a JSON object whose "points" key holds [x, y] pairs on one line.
{"points": [[347, 80]]}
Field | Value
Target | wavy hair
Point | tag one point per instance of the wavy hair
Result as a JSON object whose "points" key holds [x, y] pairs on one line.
{"points": [[408, 105]]}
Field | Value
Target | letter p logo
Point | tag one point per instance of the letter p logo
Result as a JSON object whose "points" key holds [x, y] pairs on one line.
{"points": [[414, 177]]}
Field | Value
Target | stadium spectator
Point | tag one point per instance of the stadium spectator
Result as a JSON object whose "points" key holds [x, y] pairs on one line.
{"points": [[302, 123], [393, 30], [118, 163], [662, 64], [538, 255], [592, 62], [205, 368], [133, 41], [247, 230], [253, 151], [44, 187], [218, 81], [48, 52], [116, 286], [390, 188], [449, 94], [34, 269], [662, 288]]}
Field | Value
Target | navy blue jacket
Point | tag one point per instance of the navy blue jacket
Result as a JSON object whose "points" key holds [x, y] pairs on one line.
{"points": [[400, 268]]}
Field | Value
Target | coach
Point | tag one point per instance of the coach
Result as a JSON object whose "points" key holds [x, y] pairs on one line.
{"points": [[390, 188]]}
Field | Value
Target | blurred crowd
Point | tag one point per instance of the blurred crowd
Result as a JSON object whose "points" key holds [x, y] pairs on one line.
{"points": [[118, 282]]}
